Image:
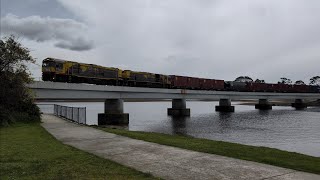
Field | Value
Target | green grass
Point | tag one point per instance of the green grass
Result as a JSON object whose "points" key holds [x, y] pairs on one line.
{"points": [[265, 155], [28, 151]]}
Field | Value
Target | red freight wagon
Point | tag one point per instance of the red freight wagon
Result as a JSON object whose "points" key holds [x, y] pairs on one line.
{"points": [[269, 87], [206, 84], [272, 87], [300, 88], [184, 82], [219, 84], [258, 87], [275, 88], [211, 84], [179, 81], [193, 83], [281, 88]]}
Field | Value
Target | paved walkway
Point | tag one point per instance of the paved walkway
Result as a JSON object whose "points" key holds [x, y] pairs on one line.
{"points": [[163, 161]]}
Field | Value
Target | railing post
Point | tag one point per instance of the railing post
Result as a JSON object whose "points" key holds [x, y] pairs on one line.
{"points": [[78, 118]]}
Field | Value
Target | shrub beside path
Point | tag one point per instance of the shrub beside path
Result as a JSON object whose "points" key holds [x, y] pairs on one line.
{"points": [[163, 161]]}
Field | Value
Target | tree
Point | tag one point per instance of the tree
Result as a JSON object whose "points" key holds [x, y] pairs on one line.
{"points": [[16, 102], [243, 79], [299, 82], [284, 80], [315, 81], [259, 81]]}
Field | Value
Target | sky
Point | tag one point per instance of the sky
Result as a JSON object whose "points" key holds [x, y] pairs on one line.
{"points": [[218, 39]]}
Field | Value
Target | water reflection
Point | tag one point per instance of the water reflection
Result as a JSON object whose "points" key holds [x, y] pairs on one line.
{"points": [[264, 112], [224, 121], [179, 124]]}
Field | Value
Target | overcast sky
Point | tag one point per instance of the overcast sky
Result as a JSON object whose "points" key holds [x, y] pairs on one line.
{"points": [[221, 39]]}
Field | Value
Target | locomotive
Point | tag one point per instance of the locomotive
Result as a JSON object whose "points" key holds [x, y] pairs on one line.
{"points": [[59, 70]]}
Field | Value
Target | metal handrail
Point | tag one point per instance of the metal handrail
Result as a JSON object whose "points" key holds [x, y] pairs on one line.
{"points": [[75, 114]]}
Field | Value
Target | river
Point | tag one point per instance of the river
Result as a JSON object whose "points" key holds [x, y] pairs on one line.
{"points": [[282, 128]]}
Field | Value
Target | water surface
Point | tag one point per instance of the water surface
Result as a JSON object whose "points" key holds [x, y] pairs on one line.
{"points": [[283, 127]]}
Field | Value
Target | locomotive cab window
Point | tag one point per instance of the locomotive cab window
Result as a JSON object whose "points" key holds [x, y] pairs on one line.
{"points": [[48, 64], [59, 66]]}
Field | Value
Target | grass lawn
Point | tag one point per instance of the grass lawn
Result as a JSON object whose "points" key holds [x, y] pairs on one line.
{"points": [[252, 153], [28, 151]]}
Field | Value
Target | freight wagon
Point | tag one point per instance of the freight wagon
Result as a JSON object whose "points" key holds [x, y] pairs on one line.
{"points": [[73, 72], [211, 84], [184, 82]]}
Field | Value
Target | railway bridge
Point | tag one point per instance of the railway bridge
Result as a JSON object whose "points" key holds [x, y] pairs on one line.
{"points": [[113, 97]]}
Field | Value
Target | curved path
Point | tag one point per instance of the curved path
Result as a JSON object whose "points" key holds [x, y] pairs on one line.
{"points": [[163, 161]]}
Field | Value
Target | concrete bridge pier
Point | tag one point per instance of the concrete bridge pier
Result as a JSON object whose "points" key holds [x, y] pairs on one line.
{"points": [[113, 113], [263, 104], [225, 106], [299, 104], [179, 108]]}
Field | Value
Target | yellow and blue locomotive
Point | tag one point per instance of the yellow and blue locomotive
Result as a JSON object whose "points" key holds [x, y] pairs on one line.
{"points": [[59, 70]]}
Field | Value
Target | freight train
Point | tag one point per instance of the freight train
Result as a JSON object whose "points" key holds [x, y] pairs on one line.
{"points": [[58, 70]]}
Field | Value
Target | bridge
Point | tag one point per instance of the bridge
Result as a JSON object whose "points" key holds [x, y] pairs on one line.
{"points": [[114, 96]]}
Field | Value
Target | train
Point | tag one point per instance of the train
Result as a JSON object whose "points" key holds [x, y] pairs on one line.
{"points": [[58, 70]]}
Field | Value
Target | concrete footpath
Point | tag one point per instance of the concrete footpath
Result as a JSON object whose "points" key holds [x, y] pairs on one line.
{"points": [[163, 161]]}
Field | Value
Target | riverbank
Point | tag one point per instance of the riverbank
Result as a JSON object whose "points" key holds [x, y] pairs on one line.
{"points": [[264, 155], [160, 160], [28, 151]]}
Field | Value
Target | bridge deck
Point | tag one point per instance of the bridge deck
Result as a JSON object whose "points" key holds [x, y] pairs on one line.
{"points": [[61, 91]]}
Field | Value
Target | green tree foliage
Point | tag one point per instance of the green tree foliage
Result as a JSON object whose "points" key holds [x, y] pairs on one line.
{"points": [[259, 81], [243, 79], [299, 82], [284, 80], [315, 81], [16, 102]]}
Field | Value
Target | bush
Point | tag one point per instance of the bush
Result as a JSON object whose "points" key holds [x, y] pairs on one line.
{"points": [[5, 117], [16, 101], [29, 114]]}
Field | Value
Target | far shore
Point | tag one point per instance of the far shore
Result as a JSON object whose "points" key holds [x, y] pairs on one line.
{"points": [[237, 102]]}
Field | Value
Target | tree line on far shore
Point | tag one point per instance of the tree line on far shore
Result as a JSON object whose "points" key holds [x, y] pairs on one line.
{"points": [[313, 81]]}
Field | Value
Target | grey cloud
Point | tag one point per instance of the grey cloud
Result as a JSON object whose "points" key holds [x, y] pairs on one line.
{"points": [[265, 39], [27, 8], [76, 45], [66, 33]]}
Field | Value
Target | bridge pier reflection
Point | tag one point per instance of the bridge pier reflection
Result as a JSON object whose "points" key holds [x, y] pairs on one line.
{"points": [[299, 104], [179, 124]]}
